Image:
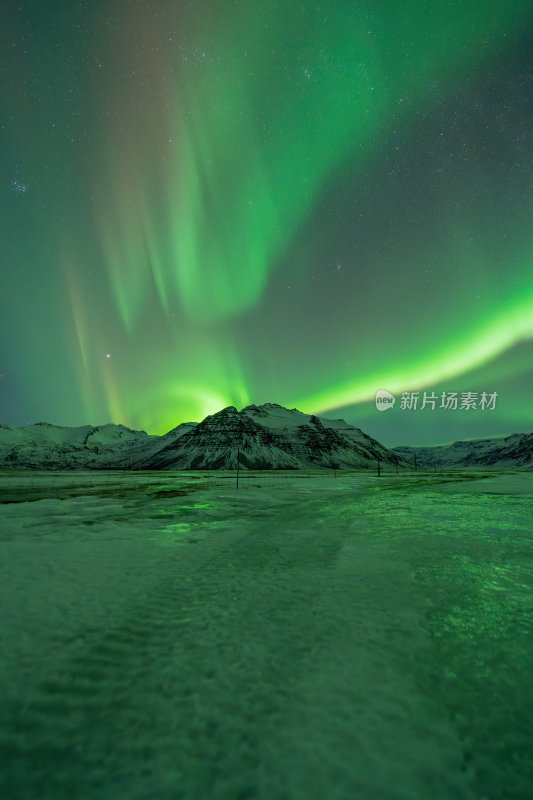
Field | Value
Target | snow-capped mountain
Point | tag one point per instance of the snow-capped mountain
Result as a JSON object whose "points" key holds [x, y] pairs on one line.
{"points": [[515, 451], [267, 437], [46, 446], [260, 437]]}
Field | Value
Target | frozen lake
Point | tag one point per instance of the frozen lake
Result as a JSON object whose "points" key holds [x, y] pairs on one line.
{"points": [[304, 637]]}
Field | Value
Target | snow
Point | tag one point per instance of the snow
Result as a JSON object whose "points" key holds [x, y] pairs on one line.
{"points": [[305, 636], [278, 418], [43, 433]]}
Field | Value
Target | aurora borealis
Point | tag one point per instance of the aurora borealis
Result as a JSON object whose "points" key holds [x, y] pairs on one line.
{"points": [[217, 203]]}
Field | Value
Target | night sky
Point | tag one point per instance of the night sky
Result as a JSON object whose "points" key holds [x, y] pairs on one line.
{"points": [[224, 202]]}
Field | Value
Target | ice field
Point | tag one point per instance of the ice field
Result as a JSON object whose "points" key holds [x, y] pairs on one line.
{"points": [[302, 637]]}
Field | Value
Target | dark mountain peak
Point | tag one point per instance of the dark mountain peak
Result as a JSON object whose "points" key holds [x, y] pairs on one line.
{"points": [[181, 428], [253, 409], [225, 413]]}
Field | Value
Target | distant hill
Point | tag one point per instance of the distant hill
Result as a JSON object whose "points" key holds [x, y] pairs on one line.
{"points": [[46, 446], [515, 451]]}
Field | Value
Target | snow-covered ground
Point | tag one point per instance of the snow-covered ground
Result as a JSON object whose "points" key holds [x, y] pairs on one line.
{"points": [[166, 635]]}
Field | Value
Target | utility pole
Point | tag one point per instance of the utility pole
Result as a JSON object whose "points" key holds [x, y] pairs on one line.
{"points": [[415, 462], [379, 468], [238, 451]]}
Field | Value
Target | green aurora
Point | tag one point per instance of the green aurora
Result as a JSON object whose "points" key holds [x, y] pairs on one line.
{"points": [[219, 203]]}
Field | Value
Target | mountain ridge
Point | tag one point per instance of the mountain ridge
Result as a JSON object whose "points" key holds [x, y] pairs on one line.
{"points": [[515, 450], [267, 436], [259, 437]]}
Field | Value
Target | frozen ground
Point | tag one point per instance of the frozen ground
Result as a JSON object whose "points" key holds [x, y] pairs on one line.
{"points": [[166, 636]]}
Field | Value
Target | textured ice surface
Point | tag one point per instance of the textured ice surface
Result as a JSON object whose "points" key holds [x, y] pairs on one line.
{"points": [[167, 636]]}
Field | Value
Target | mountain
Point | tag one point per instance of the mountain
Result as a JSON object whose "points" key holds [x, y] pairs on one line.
{"points": [[515, 451], [261, 437], [46, 446], [267, 437]]}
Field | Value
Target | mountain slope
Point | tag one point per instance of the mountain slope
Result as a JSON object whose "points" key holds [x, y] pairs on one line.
{"points": [[515, 451], [46, 446]]}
